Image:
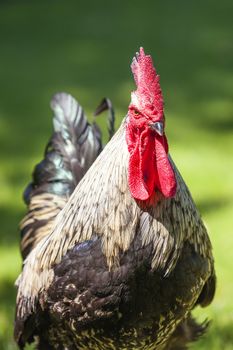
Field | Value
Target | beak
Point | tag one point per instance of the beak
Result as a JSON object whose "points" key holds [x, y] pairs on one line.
{"points": [[158, 127]]}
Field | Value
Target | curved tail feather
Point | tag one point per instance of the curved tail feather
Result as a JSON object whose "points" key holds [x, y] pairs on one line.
{"points": [[71, 150], [104, 105]]}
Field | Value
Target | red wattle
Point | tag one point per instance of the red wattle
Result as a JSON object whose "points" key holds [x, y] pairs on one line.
{"points": [[149, 167], [166, 180], [141, 170]]}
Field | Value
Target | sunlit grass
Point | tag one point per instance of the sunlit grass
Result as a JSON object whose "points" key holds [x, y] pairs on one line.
{"points": [[67, 46]]}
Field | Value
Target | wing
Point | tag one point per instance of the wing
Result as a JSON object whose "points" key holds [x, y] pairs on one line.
{"points": [[84, 293], [87, 303]]}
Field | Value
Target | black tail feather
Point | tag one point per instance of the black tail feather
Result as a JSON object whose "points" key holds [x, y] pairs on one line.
{"points": [[71, 150], [104, 105]]}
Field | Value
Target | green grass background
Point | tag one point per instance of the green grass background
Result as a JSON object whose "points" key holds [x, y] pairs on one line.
{"points": [[85, 48]]}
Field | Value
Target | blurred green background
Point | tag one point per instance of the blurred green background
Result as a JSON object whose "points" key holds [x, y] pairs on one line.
{"points": [[85, 48]]}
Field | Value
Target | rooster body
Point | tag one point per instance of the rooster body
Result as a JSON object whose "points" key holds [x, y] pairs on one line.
{"points": [[128, 257]]}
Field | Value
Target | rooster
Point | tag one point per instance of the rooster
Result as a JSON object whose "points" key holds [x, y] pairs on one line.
{"points": [[123, 261]]}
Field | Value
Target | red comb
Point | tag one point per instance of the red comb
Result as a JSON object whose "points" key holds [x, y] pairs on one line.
{"points": [[148, 93]]}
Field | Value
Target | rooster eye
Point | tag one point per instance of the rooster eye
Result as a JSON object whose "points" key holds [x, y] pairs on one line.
{"points": [[136, 112]]}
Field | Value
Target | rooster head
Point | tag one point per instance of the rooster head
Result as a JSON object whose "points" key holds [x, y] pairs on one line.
{"points": [[149, 166]]}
